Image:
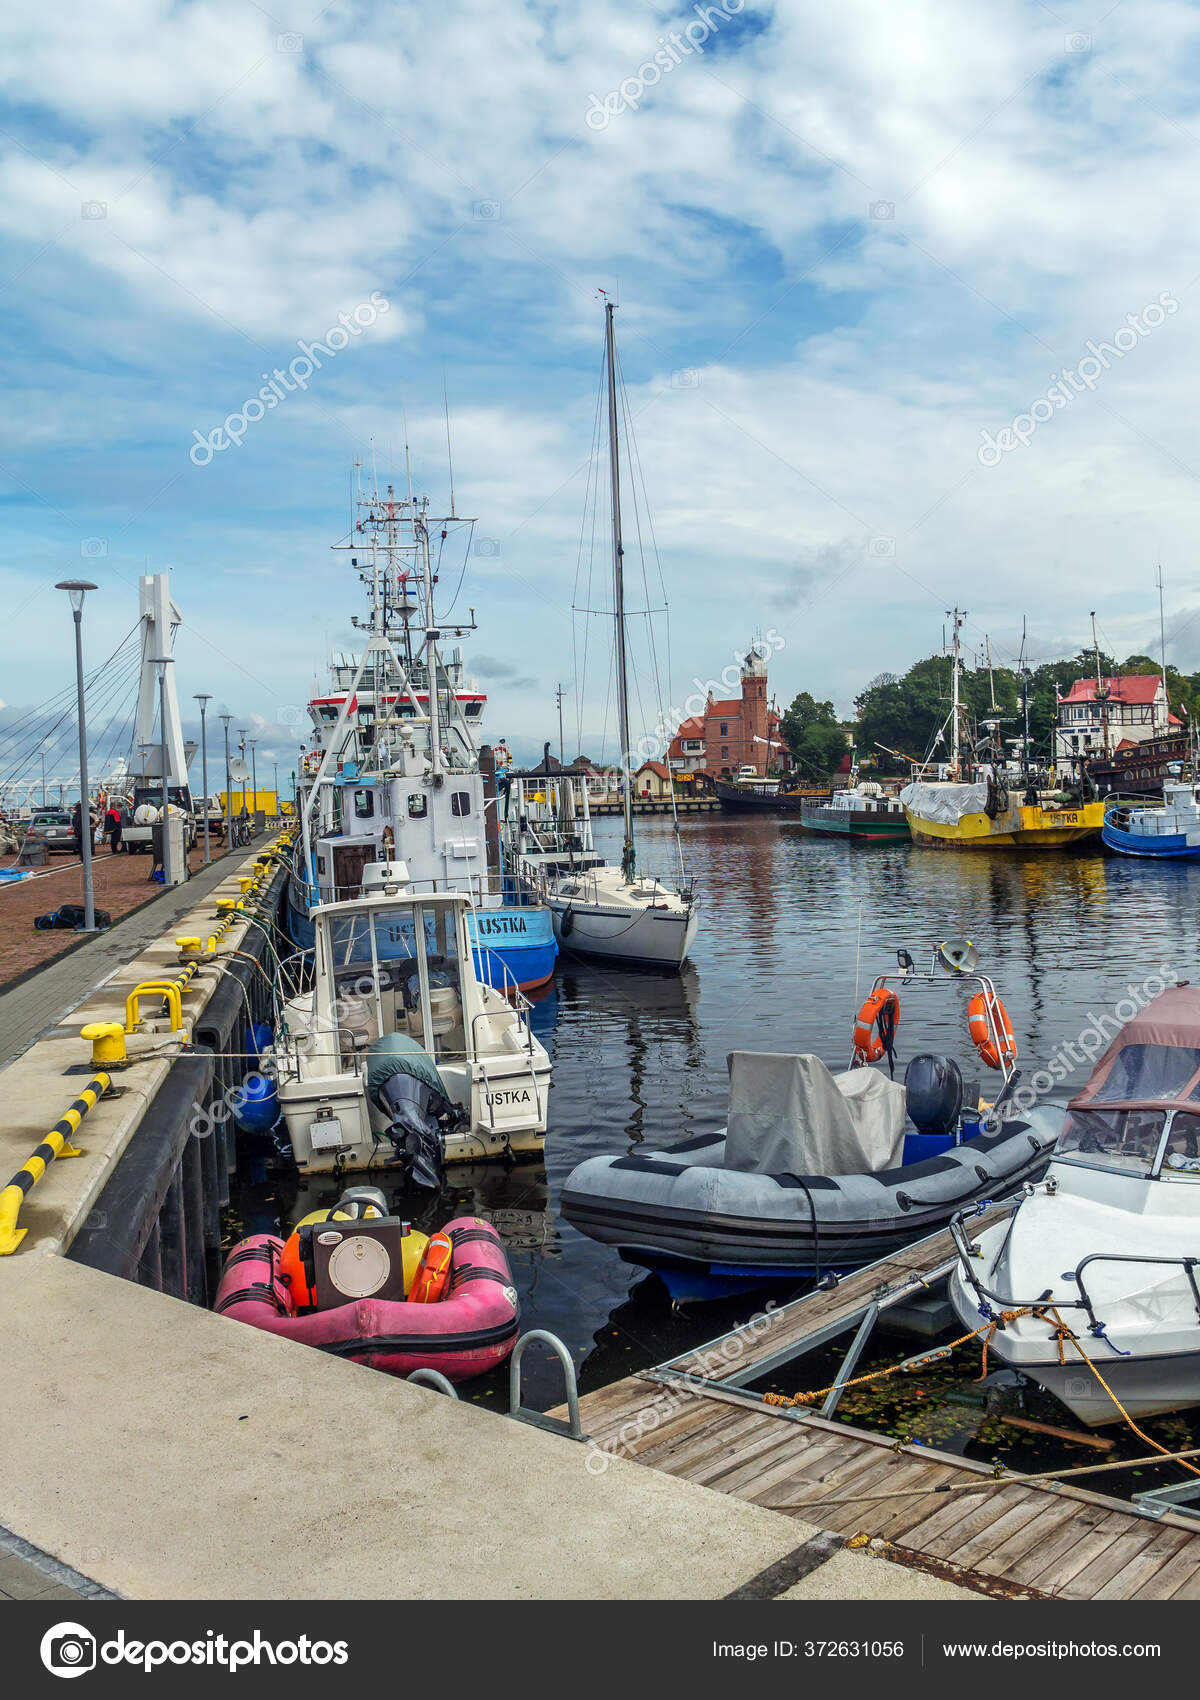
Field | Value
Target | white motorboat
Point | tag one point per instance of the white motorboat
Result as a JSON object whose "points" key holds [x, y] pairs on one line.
{"points": [[1098, 1261], [392, 1050]]}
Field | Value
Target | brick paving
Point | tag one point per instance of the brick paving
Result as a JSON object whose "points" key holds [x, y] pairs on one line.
{"points": [[32, 1005], [121, 883], [29, 1574]]}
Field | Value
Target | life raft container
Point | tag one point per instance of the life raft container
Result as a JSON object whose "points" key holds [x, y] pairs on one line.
{"points": [[875, 1026], [471, 1329], [984, 1039]]}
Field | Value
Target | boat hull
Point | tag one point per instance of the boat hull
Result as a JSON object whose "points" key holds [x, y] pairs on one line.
{"points": [[859, 824], [1018, 828], [702, 1226], [464, 1335], [738, 799], [651, 938], [1166, 847]]}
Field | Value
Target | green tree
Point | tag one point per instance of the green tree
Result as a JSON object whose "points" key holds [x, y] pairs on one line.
{"points": [[804, 713], [820, 750]]}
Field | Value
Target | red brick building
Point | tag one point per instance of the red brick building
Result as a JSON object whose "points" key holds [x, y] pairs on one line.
{"points": [[732, 733]]}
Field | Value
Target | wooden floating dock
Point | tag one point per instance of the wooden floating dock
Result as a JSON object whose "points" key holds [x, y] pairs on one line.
{"points": [[692, 1418]]}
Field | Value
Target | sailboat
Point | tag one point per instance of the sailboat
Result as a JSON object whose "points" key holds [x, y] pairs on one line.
{"points": [[599, 910], [968, 805]]}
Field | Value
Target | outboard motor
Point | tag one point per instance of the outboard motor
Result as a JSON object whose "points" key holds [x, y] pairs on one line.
{"points": [[403, 1082], [416, 1112], [933, 1094]]}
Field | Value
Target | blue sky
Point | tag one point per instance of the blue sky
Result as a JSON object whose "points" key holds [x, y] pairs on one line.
{"points": [[846, 242]]}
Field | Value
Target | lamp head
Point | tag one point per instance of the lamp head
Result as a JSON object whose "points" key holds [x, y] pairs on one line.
{"points": [[76, 589]]}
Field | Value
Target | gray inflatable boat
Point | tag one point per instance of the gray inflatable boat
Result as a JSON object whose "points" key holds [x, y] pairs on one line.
{"points": [[814, 1173]]}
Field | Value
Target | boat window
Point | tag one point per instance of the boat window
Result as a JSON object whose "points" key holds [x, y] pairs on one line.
{"points": [[1149, 1071], [418, 805], [364, 803], [1113, 1139], [460, 803], [1182, 1154]]}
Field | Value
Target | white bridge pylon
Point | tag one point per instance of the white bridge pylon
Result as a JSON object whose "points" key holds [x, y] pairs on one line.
{"points": [[160, 619]]}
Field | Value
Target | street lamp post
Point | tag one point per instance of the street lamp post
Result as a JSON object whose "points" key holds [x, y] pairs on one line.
{"points": [[242, 747], [77, 589], [254, 776], [225, 719], [204, 699]]}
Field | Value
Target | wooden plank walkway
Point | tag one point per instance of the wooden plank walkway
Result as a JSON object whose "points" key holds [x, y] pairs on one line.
{"points": [[1014, 1540]]}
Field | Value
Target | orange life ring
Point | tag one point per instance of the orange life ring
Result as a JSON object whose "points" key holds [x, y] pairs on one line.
{"points": [[433, 1272], [981, 1033], [868, 1046]]}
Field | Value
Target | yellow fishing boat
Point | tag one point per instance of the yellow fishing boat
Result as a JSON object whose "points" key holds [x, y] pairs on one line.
{"points": [[969, 806], [1046, 825]]}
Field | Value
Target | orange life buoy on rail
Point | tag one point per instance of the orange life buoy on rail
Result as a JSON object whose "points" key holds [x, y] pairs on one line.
{"points": [[981, 1032], [868, 1044], [433, 1271]]}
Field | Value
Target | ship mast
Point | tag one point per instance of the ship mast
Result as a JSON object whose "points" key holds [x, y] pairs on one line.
{"points": [[627, 851], [955, 710]]}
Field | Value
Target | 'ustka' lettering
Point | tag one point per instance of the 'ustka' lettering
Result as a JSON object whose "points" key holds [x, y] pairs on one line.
{"points": [[489, 925]]}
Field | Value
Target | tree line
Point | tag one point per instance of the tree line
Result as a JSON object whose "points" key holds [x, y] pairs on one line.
{"points": [[905, 714]]}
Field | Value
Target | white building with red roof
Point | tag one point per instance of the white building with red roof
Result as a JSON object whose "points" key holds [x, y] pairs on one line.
{"points": [[1097, 718]]}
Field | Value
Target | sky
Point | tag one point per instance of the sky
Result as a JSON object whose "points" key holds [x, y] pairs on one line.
{"points": [[855, 250]]}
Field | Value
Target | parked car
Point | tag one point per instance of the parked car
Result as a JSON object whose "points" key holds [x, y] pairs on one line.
{"points": [[51, 827]]}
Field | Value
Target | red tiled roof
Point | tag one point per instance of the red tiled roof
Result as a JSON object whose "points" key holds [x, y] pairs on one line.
{"points": [[659, 767], [1136, 688], [693, 728]]}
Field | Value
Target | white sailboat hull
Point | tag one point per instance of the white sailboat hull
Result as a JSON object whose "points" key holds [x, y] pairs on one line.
{"points": [[654, 935]]}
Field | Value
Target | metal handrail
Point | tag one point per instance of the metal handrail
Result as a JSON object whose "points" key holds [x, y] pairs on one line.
{"points": [[573, 1427], [1084, 1301]]}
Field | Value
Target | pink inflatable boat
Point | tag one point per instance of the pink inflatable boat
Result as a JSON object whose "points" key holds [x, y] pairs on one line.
{"points": [[465, 1333]]}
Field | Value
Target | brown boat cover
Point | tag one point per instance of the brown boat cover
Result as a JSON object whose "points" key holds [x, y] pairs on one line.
{"points": [[1155, 1058]]}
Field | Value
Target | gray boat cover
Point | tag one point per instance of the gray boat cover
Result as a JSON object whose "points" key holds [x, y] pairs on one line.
{"points": [[944, 802], [397, 1053], [789, 1115]]}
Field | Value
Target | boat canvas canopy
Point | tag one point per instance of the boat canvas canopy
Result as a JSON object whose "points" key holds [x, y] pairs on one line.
{"points": [[789, 1115], [1154, 1059], [945, 803]]}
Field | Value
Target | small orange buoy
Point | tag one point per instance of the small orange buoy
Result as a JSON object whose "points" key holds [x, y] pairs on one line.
{"points": [[985, 1041], [433, 1272]]}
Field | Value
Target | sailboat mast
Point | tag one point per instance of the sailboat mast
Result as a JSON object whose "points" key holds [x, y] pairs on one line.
{"points": [[627, 851]]}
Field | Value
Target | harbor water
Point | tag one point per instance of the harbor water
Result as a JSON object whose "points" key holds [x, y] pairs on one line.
{"points": [[793, 930]]}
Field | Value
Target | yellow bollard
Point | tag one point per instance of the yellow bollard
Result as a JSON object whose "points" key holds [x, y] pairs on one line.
{"points": [[57, 1143], [150, 988], [107, 1039]]}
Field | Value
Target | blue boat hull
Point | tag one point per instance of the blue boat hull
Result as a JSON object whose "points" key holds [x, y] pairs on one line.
{"points": [[1164, 847], [518, 938]]}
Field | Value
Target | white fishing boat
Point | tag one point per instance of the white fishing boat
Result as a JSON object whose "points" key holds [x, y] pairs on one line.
{"points": [[1091, 1281], [393, 1051], [394, 772], [599, 910]]}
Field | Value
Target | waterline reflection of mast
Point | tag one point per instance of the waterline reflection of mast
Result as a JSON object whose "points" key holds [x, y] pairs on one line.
{"points": [[628, 855]]}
